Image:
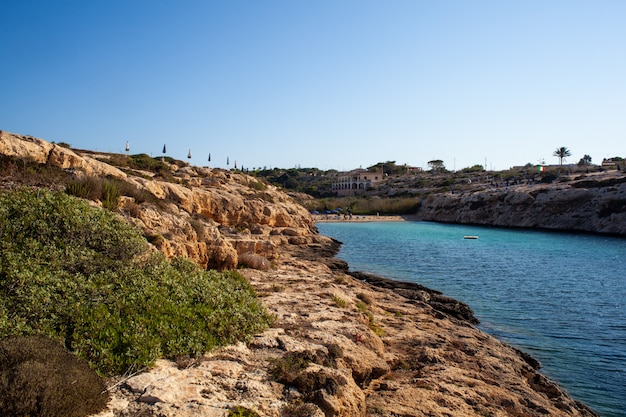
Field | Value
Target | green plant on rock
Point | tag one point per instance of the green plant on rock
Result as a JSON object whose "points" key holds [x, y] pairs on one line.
{"points": [[88, 187], [258, 185], [82, 276], [110, 195], [362, 306], [339, 302], [107, 191], [76, 188], [240, 411]]}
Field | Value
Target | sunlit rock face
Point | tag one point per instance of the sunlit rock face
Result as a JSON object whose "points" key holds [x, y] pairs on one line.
{"points": [[363, 345], [210, 216], [589, 203]]}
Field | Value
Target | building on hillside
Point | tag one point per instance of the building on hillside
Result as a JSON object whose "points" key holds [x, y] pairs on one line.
{"points": [[356, 182], [611, 163]]}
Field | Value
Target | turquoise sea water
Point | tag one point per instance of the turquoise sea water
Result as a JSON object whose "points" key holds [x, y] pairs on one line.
{"points": [[560, 297]]}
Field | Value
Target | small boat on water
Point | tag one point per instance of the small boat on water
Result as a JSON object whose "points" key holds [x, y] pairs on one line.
{"points": [[470, 237]]}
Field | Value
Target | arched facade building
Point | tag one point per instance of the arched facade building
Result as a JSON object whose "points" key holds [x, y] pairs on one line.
{"points": [[356, 182]]}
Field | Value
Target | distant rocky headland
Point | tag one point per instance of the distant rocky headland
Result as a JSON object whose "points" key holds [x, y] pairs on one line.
{"points": [[343, 343], [593, 203]]}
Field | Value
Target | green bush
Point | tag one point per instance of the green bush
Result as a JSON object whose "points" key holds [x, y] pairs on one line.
{"points": [[258, 185], [110, 195], [38, 377], [108, 191], [146, 162], [80, 275], [89, 188]]}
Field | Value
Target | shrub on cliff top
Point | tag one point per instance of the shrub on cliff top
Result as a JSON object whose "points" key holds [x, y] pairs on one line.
{"points": [[108, 191], [38, 377], [82, 276]]}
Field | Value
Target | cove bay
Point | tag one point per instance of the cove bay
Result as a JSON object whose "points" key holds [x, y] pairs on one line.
{"points": [[560, 297]]}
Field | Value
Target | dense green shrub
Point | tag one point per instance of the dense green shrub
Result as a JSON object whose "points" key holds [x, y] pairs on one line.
{"points": [[89, 188], [81, 275], [38, 377], [146, 162], [110, 195]]}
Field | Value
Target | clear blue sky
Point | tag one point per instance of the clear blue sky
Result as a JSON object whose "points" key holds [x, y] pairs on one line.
{"points": [[328, 84]]}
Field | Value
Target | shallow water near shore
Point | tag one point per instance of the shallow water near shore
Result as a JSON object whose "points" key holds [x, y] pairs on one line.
{"points": [[560, 297]]}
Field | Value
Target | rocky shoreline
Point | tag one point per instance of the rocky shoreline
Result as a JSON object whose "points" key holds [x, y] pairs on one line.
{"points": [[417, 294], [369, 351], [342, 344]]}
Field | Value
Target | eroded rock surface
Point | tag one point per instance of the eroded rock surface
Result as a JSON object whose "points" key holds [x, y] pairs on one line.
{"points": [[342, 345], [588, 203], [208, 215], [370, 352]]}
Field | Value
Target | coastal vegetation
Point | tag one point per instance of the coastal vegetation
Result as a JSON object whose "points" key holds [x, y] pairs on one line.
{"points": [[108, 191], [404, 187], [82, 282], [365, 205], [79, 275], [562, 153]]}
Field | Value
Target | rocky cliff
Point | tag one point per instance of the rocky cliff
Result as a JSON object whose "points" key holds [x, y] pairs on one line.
{"points": [[218, 218], [585, 203], [342, 344]]}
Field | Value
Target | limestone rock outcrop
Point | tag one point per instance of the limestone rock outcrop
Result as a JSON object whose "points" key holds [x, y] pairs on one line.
{"points": [[369, 352], [341, 345], [589, 203], [39, 150], [224, 215], [594, 203]]}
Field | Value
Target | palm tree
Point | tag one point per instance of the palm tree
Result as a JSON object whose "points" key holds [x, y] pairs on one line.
{"points": [[562, 153]]}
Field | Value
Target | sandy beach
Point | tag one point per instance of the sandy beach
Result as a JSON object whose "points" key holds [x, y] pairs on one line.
{"points": [[323, 218]]}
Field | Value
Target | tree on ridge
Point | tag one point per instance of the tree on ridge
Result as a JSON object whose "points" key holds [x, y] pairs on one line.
{"points": [[436, 165], [585, 161], [562, 153]]}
